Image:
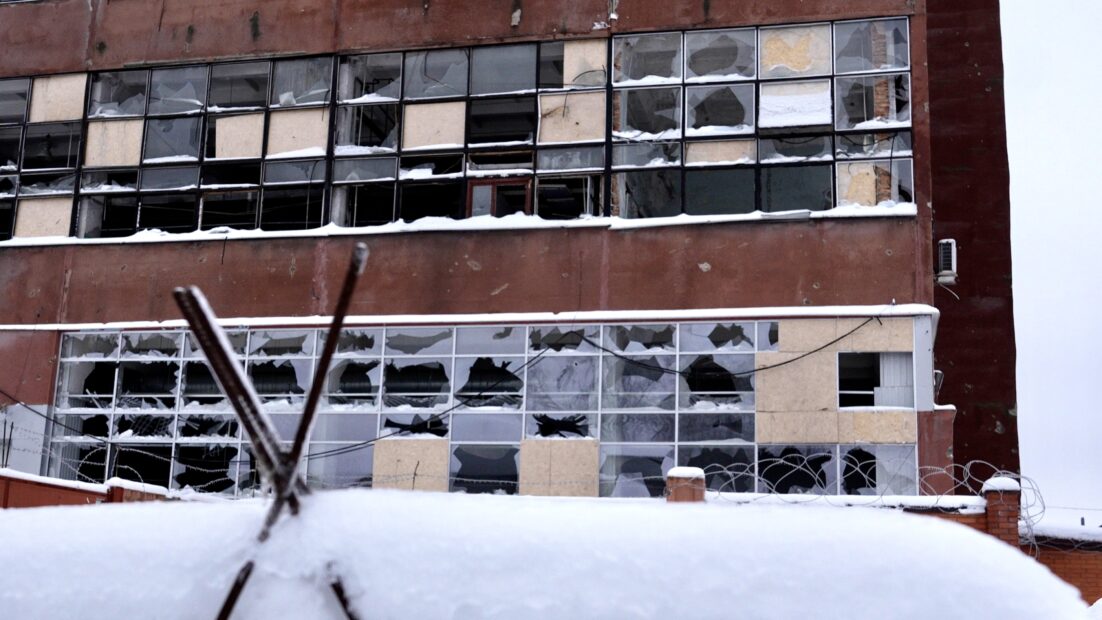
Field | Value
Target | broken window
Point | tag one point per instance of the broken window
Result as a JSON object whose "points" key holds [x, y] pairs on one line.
{"points": [[720, 55], [875, 380], [646, 193], [376, 169], [573, 64], [873, 145], [490, 382], [795, 51], [280, 379], [419, 341], [416, 382], [578, 158], [370, 78], [13, 100], [302, 81], [84, 462], [641, 338], [170, 178], [647, 58], [503, 69], [294, 172], [638, 382], [793, 188], [559, 338], [637, 427], [74, 426], [714, 192], [647, 113], [142, 463], [562, 383], [46, 184], [103, 181], [297, 208], [506, 339], [710, 382], [873, 102], [209, 469], [727, 469], [236, 338], [645, 155], [794, 150], [232, 175], [8, 185], [340, 470], [794, 104], [172, 139], [446, 166], [565, 198], [355, 382], [871, 183], [718, 337], [719, 110], [879, 470], [768, 336], [239, 85], [9, 147], [168, 212], [499, 197], [358, 342], [118, 93], [178, 90], [502, 120], [90, 346], [487, 427], [88, 385], [485, 469], [129, 425], [281, 343], [804, 469], [51, 145], [568, 426], [879, 45], [150, 344], [499, 164], [397, 424], [367, 129], [7, 219], [715, 427], [634, 471], [420, 200], [230, 210], [363, 205], [436, 73], [200, 388]]}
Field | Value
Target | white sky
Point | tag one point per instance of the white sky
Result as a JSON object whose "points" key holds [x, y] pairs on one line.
{"points": [[1053, 53]]}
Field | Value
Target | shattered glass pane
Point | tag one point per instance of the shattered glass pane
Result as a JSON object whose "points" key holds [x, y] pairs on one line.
{"points": [[239, 85], [397, 424], [281, 343], [641, 338], [301, 81], [500, 120], [418, 341], [89, 346], [768, 336], [358, 342], [9, 147], [355, 382], [172, 139], [558, 338], [873, 145], [795, 188], [178, 90], [879, 470], [637, 428], [343, 469], [202, 426], [720, 337], [634, 471], [47, 184], [351, 170], [487, 427], [82, 462], [715, 427], [366, 129], [797, 469], [720, 55], [791, 150], [144, 426], [719, 110], [647, 114], [639, 382], [490, 382], [436, 73], [651, 58], [88, 385], [170, 178], [564, 198], [727, 469], [485, 469], [146, 385], [416, 382], [873, 102], [345, 427], [118, 93], [209, 469], [646, 154], [562, 383], [569, 426], [142, 463], [371, 77], [576, 158], [711, 382], [503, 69], [502, 339], [78, 425], [151, 344], [284, 377], [871, 46], [646, 193], [200, 387], [294, 172]]}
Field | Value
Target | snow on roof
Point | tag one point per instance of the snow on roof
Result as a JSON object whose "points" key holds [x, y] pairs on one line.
{"points": [[436, 555], [1071, 524]]}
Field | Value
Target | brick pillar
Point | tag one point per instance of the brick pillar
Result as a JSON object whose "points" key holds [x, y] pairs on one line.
{"points": [[1004, 496], [685, 484]]}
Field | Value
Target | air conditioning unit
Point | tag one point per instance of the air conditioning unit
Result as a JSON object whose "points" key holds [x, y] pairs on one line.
{"points": [[947, 262]]}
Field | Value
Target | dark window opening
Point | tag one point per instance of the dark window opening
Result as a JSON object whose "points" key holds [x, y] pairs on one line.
{"points": [[94, 425], [207, 426], [275, 378], [793, 149], [425, 166], [498, 198], [720, 109], [858, 378], [432, 200], [294, 172], [806, 469], [551, 64], [647, 113], [7, 219], [170, 178], [108, 216], [292, 209], [709, 381], [485, 469], [866, 100], [372, 76], [172, 139], [109, 181], [491, 384], [729, 470], [239, 85], [557, 339], [13, 100], [144, 425], [168, 212], [9, 147], [511, 162], [363, 205], [200, 386], [786, 188], [567, 198], [435, 73], [502, 119], [366, 129], [647, 193], [714, 192], [205, 468], [178, 91], [418, 385], [49, 183], [576, 425], [118, 93], [623, 337], [350, 383], [230, 174], [149, 383], [52, 145], [419, 341], [858, 472], [301, 81], [145, 464], [231, 210]]}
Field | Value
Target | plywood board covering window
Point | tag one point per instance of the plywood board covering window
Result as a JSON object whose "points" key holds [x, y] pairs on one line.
{"points": [[114, 143], [721, 152], [584, 62], [292, 131], [433, 124], [572, 117], [795, 51], [239, 136], [43, 217], [58, 98]]}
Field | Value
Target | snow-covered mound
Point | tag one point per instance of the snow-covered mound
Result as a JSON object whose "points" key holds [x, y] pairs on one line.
{"points": [[425, 555]]}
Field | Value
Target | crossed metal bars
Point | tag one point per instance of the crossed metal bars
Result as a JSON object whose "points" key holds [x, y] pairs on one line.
{"points": [[278, 467]]}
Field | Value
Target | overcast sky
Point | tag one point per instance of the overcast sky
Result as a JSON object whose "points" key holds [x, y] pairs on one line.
{"points": [[1052, 52]]}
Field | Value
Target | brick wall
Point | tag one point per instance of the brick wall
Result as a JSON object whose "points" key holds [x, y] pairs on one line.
{"points": [[1080, 567]]}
